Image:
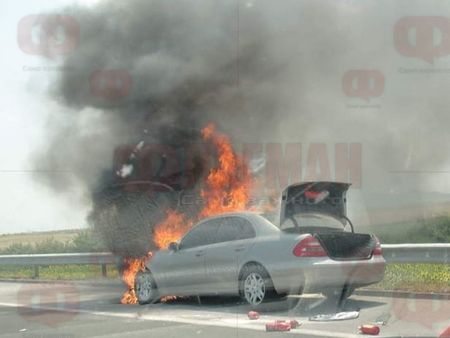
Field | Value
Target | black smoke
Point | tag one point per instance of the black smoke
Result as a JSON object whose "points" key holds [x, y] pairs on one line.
{"points": [[183, 63], [261, 70]]}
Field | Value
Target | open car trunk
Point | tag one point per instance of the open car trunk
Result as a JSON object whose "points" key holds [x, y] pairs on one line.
{"points": [[347, 245], [326, 198]]}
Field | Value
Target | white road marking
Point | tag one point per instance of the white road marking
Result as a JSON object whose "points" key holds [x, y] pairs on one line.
{"points": [[237, 321]]}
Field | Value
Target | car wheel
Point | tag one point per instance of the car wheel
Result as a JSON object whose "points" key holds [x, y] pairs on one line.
{"points": [[145, 287], [255, 285]]}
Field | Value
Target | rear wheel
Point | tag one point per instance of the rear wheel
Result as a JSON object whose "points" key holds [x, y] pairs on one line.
{"points": [[255, 285], [145, 287]]}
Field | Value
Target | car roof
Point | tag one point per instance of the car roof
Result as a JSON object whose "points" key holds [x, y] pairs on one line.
{"points": [[260, 223], [246, 214]]}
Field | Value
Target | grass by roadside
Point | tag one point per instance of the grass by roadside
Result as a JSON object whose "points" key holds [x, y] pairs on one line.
{"points": [[59, 272], [35, 238], [416, 277]]}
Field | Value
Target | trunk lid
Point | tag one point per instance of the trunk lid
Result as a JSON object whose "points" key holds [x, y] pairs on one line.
{"points": [[327, 198], [314, 197]]}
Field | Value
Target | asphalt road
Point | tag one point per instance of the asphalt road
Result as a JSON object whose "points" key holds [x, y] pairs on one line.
{"points": [[92, 310]]}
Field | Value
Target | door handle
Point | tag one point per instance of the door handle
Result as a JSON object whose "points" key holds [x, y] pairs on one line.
{"points": [[199, 253]]}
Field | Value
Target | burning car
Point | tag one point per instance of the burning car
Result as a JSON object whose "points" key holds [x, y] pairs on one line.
{"points": [[242, 253]]}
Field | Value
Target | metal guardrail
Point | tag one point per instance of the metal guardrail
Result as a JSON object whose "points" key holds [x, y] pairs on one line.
{"points": [[393, 253], [417, 253], [97, 258]]}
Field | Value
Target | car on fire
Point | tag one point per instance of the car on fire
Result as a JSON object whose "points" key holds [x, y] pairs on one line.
{"points": [[314, 248]]}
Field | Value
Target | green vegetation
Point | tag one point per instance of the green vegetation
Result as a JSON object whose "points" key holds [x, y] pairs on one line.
{"points": [[432, 230], [58, 272], [37, 237], [83, 241], [416, 277]]}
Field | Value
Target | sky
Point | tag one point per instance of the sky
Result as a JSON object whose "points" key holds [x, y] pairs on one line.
{"points": [[402, 129], [26, 205]]}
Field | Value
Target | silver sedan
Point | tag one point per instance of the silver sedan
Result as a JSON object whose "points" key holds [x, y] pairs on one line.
{"points": [[245, 254]]}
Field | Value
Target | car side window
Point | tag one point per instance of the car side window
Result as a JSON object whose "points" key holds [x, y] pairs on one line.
{"points": [[235, 228], [246, 229], [227, 231], [203, 234]]}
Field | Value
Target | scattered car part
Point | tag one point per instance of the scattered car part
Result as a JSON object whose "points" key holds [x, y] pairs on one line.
{"points": [[278, 325], [294, 324], [253, 315], [373, 330], [445, 333], [335, 316]]}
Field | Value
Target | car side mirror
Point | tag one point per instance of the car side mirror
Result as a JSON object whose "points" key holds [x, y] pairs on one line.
{"points": [[174, 247]]}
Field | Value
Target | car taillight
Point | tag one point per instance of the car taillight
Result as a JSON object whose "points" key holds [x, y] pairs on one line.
{"points": [[309, 247], [377, 251]]}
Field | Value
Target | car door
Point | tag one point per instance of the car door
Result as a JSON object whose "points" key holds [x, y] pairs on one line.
{"points": [[235, 237], [182, 272]]}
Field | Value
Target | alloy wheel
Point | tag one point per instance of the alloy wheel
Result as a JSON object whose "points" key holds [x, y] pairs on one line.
{"points": [[254, 288], [144, 287]]}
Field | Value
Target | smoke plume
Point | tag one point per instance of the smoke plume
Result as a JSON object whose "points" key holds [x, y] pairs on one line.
{"points": [[261, 70]]}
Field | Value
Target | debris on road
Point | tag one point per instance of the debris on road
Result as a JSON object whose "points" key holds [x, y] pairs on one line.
{"points": [[278, 325], [253, 315], [335, 316], [373, 330], [294, 324], [445, 333]]}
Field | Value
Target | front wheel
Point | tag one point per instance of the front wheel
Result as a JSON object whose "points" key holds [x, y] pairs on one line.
{"points": [[255, 285], [145, 287]]}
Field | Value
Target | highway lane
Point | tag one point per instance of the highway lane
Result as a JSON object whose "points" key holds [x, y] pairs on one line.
{"points": [[92, 310]]}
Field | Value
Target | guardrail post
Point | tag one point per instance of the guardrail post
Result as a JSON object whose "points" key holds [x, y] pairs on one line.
{"points": [[104, 272], [35, 271]]}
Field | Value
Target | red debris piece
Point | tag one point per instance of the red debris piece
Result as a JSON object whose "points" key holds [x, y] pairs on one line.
{"points": [[278, 325], [294, 324], [445, 333], [370, 329], [253, 315]]}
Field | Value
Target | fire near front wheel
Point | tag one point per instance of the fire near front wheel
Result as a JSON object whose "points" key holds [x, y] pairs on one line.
{"points": [[145, 287]]}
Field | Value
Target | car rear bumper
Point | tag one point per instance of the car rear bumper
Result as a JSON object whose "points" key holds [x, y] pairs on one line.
{"points": [[314, 274], [331, 273]]}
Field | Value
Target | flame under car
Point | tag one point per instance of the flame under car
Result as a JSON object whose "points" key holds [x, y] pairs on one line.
{"points": [[314, 248]]}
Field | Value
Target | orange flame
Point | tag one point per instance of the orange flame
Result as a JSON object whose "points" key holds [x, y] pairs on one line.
{"points": [[227, 189], [171, 229], [132, 267]]}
